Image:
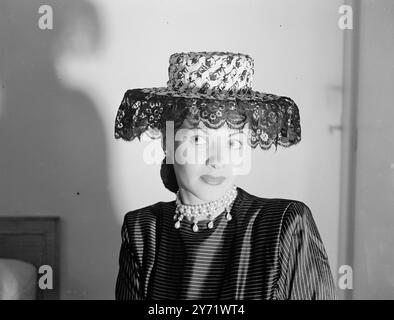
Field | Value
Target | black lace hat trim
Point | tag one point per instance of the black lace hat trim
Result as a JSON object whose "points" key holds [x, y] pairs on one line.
{"points": [[273, 119]]}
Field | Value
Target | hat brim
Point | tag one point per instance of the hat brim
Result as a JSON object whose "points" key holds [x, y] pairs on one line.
{"points": [[247, 95], [273, 119]]}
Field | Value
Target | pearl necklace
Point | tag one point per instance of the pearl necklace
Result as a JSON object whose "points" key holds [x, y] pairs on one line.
{"points": [[208, 210]]}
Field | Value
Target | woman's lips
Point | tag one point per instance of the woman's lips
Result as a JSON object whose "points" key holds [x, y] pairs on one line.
{"points": [[212, 180]]}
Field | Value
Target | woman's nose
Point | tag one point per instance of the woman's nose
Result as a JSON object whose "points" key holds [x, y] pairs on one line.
{"points": [[217, 157], [215, 165]]}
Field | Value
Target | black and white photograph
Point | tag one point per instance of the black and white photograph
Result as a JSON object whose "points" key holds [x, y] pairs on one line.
{"points": [[215, 150]]}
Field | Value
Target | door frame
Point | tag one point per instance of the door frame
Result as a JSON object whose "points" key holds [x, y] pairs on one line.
{"points": [[349, 144]]}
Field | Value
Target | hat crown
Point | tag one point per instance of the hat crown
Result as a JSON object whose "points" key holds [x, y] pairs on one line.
{"points": [[210, 72]]}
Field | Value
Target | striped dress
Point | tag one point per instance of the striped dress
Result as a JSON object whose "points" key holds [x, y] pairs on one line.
{"points": [[271, 249]]}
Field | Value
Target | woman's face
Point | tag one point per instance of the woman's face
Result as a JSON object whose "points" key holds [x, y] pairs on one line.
{"points": [[205, 159]]}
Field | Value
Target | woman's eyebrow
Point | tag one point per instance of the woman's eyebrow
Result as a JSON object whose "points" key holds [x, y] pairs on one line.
{"points": [[200, 128], [238, 132], [205, 130]]}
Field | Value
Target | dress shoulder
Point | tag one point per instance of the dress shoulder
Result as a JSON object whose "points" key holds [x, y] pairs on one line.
{"points": [[278, 218], [142, 215], [272, 211], [144, 210], [285, 228], [282, 210], [139, 228], [298, 215], [266, 205], [306, 273]]}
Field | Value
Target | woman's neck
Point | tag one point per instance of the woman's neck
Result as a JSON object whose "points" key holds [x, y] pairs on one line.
{"points": [[190, 205], [188, 197]]}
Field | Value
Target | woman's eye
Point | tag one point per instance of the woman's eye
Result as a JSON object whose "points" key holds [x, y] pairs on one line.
{"points": [[198, 139], [235, 144]]}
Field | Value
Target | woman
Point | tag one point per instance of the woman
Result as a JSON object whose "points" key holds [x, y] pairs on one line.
{"points": [[215, 240]]}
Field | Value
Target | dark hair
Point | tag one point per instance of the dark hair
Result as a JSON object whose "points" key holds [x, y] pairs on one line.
{"points": [[168, 177], [167, 172]]}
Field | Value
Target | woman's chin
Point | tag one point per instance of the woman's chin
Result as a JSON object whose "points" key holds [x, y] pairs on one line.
{"points": [[211, 192]]}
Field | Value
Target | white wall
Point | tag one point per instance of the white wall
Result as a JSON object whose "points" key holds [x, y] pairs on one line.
{"points": [[62, 88], [373, 264]]}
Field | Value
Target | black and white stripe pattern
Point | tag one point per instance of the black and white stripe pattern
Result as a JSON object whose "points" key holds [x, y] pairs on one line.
{"points": [[271, 249]]}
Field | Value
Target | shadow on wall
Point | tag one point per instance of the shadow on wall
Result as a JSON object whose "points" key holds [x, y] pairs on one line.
{"points": [[53, 154]]}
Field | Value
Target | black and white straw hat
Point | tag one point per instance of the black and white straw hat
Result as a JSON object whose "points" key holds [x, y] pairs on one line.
{"points": [[216, 89]]}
